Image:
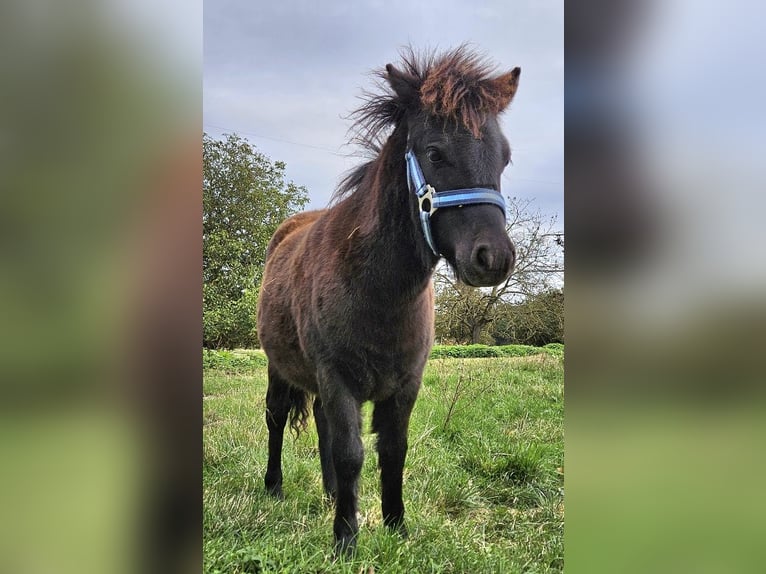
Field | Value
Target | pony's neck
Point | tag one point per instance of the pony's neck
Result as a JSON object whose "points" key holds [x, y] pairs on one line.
{"points": [[397, 250]]}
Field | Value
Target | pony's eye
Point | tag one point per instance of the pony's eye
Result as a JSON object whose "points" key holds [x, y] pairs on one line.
{"points": [[433, 155]]}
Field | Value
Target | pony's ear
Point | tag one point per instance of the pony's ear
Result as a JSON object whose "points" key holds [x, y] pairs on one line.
{"points": [[505, 87], [405, 85]]}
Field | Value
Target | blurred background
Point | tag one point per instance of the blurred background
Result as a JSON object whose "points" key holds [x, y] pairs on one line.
{"points": [[100, 289], [666, 287], [100, 286]]}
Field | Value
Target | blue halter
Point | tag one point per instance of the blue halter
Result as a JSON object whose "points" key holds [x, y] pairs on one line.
{"points": [[429, 200]]}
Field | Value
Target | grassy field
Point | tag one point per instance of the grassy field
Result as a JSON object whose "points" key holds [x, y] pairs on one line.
{"points": [[483, 483]]}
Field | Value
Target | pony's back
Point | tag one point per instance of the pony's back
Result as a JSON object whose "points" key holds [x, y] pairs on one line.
{"points": [[298, 221]]}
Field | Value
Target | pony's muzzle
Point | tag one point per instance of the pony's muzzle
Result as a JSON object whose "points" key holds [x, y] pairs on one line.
{"points": [[491, 263]]}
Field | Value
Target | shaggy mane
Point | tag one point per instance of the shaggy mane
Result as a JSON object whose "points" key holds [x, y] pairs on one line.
{"points": [[452, 85]]}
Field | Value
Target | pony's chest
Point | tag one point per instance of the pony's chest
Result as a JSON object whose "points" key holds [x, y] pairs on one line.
{"points": [[375, 348], [377, 371]]}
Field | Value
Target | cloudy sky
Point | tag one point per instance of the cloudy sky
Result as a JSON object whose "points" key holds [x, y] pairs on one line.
{"points": [[285, 74]]}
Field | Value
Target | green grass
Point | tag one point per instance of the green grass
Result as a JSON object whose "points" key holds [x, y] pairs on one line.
{"points": [[483, 484]]}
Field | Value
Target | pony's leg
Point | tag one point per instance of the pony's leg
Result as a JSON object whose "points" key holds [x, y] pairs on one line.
{"points": [[329, 481], [342, 412], [277, 409], [390, 420]]}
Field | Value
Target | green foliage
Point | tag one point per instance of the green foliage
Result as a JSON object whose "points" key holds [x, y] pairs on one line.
{"points": [[519, 350], [486, 351], [463, 351], [228, 322], [538, 321], [239, 361], [244, 197], [466, 314], [555, 347]]}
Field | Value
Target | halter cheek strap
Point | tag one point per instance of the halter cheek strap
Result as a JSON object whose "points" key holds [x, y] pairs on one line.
{"points": [[429, 200]]}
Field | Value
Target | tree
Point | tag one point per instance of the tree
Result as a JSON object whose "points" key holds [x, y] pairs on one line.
{"points": [[244, 198], [537, 321], [466, 315]]}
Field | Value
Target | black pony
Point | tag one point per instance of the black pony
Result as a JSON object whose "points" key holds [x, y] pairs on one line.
{"points": [[346, 306]]}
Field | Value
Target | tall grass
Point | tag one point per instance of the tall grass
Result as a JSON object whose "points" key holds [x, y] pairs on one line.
{"points": [[483, 483]]}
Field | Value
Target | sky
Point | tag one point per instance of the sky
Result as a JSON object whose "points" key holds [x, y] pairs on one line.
{"points": [[285, 75]]}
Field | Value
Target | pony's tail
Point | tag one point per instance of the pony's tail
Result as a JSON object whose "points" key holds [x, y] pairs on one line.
{"points": [[300, 403]]}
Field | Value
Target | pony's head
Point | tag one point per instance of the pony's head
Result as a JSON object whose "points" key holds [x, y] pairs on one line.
{"points": [[450, 105]]}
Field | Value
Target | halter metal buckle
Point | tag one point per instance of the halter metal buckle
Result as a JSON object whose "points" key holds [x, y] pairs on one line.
{"points": [[426, 201]]}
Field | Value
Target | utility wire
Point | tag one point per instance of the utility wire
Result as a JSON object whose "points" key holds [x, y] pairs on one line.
{"points": [[328, 150], [530, 180], [333, 152]]}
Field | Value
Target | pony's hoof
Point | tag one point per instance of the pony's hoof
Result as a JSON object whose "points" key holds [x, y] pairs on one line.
{"points": [[275, 492], [345, 546], [399, 528]]}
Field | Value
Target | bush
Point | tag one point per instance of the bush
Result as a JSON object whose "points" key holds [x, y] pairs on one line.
{"points": [[520, 350], [554, 348], [242, 360], [229, 324], [463, 351], [233, 361], [483, 351]]}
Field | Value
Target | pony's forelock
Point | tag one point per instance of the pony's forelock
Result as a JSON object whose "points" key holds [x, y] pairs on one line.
{"points": [[456, 85]]}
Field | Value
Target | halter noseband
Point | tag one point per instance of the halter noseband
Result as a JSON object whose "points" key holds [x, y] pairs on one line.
{"points": [[429, 200]]}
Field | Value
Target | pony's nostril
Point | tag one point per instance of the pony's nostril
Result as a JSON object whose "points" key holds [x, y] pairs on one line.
{"points": [[483, 257], [493, 260]]}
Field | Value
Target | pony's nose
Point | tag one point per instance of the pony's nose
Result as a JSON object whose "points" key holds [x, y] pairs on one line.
{"points": [[492, 260]]}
